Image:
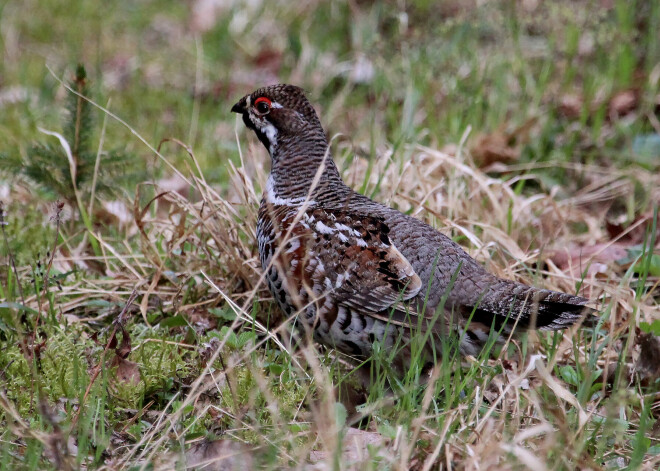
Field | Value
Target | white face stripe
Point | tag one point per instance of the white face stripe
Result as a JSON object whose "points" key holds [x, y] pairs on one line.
{"points": [[271, 133], [274, 104]]}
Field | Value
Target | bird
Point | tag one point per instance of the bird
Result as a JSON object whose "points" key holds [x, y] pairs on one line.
{"points": [[353, 272]]}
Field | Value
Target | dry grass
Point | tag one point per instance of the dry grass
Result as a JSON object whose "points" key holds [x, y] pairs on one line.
{"points": [[201, 368], [515, 410]]}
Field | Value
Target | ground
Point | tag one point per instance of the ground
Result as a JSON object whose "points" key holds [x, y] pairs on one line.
{"points": [[135, 328]]}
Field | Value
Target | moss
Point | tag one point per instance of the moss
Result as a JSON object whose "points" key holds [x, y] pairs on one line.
{"points": [[62, 366], [64, 363], [160, 358], [244, 395], [17, 377]]}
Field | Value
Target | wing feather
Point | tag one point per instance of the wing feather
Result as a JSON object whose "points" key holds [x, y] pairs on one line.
{"points": [[357, 263]]}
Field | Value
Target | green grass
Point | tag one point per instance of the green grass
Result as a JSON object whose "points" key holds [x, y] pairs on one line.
{"points": [[87, 381]]}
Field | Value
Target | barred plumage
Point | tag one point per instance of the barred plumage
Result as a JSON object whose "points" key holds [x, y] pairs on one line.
{"points": [[358, 271]]}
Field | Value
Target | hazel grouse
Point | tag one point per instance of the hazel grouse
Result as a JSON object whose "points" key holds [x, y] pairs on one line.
{"points": [[354, 271]]}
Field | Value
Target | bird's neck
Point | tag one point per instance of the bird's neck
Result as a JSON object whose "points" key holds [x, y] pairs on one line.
{"points": [[302, 169]]}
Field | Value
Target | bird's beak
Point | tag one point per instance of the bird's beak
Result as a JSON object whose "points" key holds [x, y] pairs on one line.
{"points": [[239, 107]]}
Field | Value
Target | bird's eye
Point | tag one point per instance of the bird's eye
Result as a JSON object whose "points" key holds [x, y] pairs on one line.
{"points": [[262, 105]]}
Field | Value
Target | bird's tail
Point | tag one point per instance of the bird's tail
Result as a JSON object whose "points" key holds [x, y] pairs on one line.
{"points": [[510, 306]]}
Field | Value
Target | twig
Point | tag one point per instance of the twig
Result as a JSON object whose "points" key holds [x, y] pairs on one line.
{"points": [[59, 206]]}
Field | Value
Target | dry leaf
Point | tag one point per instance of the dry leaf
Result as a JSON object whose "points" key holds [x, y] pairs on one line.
{"points": [[619, 104], [596, 259], [622, 103], [491, 148], [617, 225], [501, 146], [127, 372], [124, 348], [648, 364], [570, 106]]}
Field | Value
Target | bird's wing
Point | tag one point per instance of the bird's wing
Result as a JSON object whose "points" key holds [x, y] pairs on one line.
{"points": [[357, 264]]}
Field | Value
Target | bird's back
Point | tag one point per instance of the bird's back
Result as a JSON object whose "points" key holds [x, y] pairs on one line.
{"points": [[472, 293]]}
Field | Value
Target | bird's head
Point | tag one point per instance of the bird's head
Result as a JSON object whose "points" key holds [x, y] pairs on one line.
{"points": [[278, 112]]}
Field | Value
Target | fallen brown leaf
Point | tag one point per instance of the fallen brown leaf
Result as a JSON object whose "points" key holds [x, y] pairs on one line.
{"points": [[570, 106], [622, 103], [619, 104], [124, 348], [616, 226], [648, 364], [501, 146], [492, 148], [596, 259], [127, 372]]}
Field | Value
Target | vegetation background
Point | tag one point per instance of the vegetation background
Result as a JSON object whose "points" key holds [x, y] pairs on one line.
{"points": [[135, 330]]}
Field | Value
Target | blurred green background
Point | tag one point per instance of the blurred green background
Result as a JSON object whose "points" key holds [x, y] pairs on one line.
{"points": [[379, 72]]}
